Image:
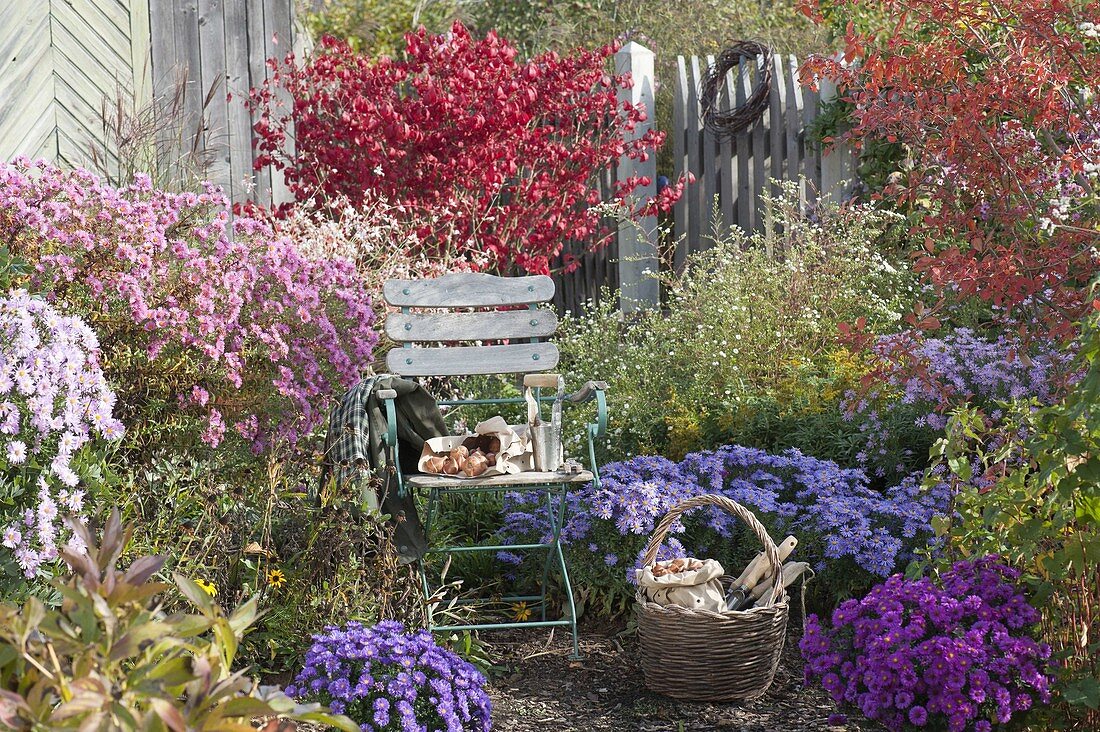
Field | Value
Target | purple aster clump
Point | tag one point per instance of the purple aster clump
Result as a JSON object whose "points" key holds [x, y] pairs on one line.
{"points": [[833, 510], [54, 405], [921, 379], [914, 654], [390, 680]]}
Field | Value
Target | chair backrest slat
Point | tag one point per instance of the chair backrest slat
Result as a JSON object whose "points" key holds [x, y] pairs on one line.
{"points": [[468, 290], [515, 358], [482, 326], [484, 295]]}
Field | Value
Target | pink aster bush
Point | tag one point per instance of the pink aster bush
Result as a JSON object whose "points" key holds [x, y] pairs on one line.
{"points": [[54, 406], [954, 656], [198, 312]]}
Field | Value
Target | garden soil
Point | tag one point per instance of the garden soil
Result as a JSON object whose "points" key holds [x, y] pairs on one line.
{"points": [[538, 687]]}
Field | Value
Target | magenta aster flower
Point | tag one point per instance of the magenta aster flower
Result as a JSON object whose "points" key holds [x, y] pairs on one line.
{"points": [[948, 656]]}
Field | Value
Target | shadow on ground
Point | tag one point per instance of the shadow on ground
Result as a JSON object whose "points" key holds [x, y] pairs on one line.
{"points": [[541, 688]]}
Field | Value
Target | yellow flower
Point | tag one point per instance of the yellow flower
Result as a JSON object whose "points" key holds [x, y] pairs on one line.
{"points": [[276, 578], [521, 612], [207, 587]]}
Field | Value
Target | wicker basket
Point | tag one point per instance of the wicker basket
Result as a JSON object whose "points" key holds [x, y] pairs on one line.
{"points": [[701, 655]]}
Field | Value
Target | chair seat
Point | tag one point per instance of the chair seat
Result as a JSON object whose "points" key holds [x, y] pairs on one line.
{"points": [[531, 477]]}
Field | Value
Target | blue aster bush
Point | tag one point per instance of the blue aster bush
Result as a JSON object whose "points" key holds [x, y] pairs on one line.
{"points": [[853, 534], [921, 379], [390, 680], [913, 654]]}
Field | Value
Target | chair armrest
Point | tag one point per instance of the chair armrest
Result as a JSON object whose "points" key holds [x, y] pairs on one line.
{"points": [[587, 392], [593, 390], [387, 396]]}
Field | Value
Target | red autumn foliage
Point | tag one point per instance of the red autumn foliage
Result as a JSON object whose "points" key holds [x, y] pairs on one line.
{"points": [[488, 152], [991, 98]]}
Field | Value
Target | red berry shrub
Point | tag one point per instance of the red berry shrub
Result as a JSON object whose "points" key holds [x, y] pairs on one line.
{"points": [[991, 98], [494, 154]]}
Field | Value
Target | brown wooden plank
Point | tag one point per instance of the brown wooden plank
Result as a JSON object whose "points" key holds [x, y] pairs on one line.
{"points": [[811, 100], [280, 39], [745, 203], [759, 152], [726, 183], [468, 290], [140, 43], [516, 358], [238, 120], [796, 152], [709, 159], [695, 195], [163, 69], [777, 128], [258, 73], [185, 21], [592, 283], [212, 84]]}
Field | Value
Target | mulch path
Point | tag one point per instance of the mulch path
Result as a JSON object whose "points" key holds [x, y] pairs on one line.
{"points": [[541, 688]]}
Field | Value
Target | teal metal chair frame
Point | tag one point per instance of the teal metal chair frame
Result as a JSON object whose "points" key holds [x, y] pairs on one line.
{"points": [[551, 488]]}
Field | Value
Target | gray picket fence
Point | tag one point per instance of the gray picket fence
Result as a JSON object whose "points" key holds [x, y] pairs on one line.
{"points": [[60, 61], [731, 172]]}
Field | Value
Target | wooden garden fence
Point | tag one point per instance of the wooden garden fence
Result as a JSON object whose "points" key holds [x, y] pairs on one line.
{"points": [[730, 172], [60, 60]]}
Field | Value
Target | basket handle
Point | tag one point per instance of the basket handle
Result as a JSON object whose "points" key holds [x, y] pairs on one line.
{"points": [[771, 552]]}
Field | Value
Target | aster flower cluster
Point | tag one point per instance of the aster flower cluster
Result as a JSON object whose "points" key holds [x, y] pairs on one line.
{"points": [[832, 510], [913, 654], [926, 377], [54, 401], [269, 331], [389, 680]]}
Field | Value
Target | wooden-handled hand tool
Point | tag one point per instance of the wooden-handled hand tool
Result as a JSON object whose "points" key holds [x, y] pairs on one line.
{"points": [[791, 572], [739, 590]]}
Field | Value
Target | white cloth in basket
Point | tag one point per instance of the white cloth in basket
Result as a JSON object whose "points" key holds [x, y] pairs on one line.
{"points": [[698, 589]]}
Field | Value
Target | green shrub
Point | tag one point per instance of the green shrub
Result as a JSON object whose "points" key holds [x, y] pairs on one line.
{"points": [[747, 351], [1027, 491], [110, 658], [247, 527], [377, 27]]}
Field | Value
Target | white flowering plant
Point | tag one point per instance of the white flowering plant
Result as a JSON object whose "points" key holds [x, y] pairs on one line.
{"points": [[56, 415], [746, 347]]}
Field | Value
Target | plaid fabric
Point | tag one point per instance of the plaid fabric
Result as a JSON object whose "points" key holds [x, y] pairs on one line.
{"points": [[347, 444], [355, 451]]}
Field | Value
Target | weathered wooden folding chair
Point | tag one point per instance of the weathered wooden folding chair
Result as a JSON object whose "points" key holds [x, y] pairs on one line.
{"points": [[523, 351]]}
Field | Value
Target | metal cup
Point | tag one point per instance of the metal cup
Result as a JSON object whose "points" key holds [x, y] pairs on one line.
{"points": [[547, 446]]}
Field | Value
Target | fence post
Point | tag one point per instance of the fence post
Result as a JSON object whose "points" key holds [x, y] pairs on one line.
{"points": [[838, 163], [638, 239]]}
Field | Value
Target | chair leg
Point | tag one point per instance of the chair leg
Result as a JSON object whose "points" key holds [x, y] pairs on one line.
{"points": [[557, 523], [553, 548], [433, 500], [428, 613], [549, 553]]}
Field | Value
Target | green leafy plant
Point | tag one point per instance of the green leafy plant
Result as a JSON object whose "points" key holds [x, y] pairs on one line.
{"points": [[749, 337], [11, 268], [110, 658], [1026, 489]]}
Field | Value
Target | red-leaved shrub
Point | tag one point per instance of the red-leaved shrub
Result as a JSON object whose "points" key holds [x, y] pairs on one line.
{"points": [[995, 101], [493, 154]]}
